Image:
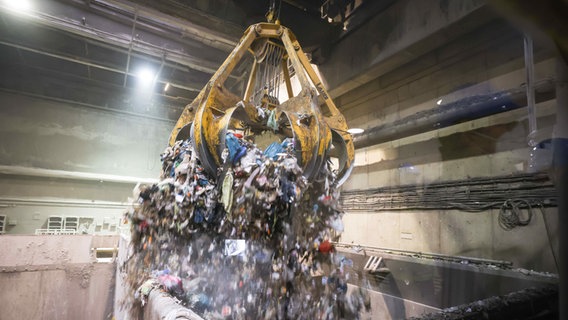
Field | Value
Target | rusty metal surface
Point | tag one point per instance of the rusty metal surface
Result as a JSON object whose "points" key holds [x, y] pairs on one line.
{"points": [[310, 131], [216, 110]]}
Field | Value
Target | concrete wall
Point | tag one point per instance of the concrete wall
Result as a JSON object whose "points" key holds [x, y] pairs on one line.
{"points": [[399, 34], [45, 134], [491, 146], [55, 277], [59, 138]]}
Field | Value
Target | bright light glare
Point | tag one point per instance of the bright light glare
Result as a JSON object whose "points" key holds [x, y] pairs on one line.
{"points": [[167, 86], [18, 5], [439, 102], [355, 130], [145, 76]]}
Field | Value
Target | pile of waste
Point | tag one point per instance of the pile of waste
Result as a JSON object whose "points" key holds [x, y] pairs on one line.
{"points": [[252, 242]]}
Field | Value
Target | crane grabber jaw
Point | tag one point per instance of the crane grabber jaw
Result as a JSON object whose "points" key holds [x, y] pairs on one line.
{"points": [[277, 59]]}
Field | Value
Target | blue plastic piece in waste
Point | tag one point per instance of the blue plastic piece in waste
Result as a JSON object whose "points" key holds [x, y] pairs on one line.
{"points": [[288, 190], [273, 150], [198, 215], [203, 300], [233, 145], [173, 169], [162, 272], [242, 151]]}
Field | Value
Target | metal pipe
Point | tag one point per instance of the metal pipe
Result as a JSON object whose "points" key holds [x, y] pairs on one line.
{"points": [[88, 63], [287, 78], [159, 72], [529, 70], [130, 46], [446, 115], [251, 81]]}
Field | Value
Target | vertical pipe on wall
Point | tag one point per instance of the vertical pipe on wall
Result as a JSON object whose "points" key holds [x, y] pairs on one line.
{"points": [[529, 71], [130, 47], [560, 161]]}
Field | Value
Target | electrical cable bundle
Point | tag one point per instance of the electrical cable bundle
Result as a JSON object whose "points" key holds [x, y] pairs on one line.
{"points": [[511, 212], [472, 195]]}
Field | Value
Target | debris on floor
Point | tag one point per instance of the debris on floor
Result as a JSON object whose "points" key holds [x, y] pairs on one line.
{"points": [[252, 242], [531, 303]]}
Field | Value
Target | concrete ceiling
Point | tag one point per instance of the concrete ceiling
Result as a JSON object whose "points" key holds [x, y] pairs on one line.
{"points": [[90, 51]]}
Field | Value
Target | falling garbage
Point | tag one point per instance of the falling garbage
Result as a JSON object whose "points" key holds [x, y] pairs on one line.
{"points": [[234, 231], [252, 242]]}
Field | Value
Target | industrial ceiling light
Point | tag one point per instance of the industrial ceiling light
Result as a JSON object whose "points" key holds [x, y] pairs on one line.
{"points": [[439, 102], [167, 86], [355, 130], [145, 77], [18, 5]]}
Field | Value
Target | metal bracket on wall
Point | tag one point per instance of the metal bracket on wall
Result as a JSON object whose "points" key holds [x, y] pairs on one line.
{"points": [[373, 263]]}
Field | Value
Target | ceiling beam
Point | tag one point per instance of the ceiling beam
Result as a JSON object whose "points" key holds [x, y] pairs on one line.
{"points": [[114, 34], [63, 87], [88, 105], [93, 64], [185, 28]]}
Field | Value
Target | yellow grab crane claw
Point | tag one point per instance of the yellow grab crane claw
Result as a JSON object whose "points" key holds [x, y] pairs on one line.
{"points": [[277, 59]]}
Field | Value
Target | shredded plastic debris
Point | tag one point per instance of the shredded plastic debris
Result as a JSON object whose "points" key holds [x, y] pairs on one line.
{"points": [[252, 242], [529, 303]]}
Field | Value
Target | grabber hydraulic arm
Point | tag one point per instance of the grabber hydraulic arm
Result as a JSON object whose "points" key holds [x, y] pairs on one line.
{"points": [[216, 110]]}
